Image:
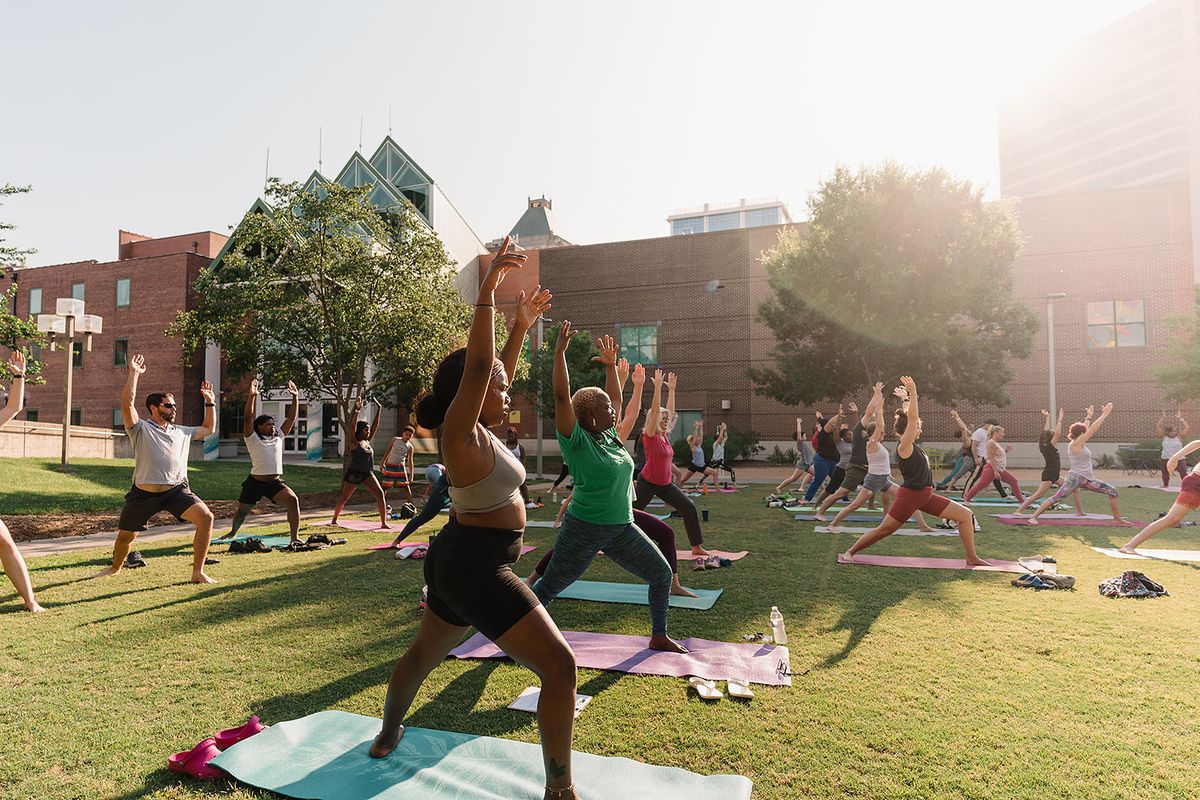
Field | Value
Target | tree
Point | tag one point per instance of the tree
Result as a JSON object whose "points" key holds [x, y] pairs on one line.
{"points": [[898, 272], [1180, 376], [16, 333], [535, 385], [330, 292]]}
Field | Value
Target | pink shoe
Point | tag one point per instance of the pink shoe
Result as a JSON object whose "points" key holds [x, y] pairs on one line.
{"points": [[194, 762], [231, 736]]}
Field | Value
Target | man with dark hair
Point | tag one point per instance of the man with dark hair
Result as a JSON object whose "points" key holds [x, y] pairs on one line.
{"points": [[160, 454], [264, 443], [397, 466]]}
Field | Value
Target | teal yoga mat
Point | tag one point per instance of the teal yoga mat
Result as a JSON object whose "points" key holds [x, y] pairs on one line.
{"points": [[635, 594], [324, 757], [269, 541]]}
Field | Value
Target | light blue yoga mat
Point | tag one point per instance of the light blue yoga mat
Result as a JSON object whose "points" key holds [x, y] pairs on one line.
{"points": [[324, 757], [269, 541], [635, 594]]}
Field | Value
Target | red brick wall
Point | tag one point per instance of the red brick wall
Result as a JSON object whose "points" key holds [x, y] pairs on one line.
{"points": [[134, 245], [159, 288]]}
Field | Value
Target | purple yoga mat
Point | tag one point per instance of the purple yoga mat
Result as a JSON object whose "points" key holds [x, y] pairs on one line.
{"points": [[721, 661], [524, 548], [1091, 522], [931, 563]]}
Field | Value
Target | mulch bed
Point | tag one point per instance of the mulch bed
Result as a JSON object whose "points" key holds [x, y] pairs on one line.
{"points": [[29, 527]]}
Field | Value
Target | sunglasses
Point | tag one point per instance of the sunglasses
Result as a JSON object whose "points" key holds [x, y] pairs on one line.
{"points": [[166, 405]]}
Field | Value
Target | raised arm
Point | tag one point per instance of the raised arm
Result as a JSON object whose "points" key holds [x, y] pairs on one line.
{"points": [[462, 416], [963, 430], [608, 357], [1183, 453], [799, 429], [722, 433], [831, 424], [251, 409], [1057, 427], [629, 419], [909, 437], [528, 310], [876, 399], [1183, 426], [16, 394], [654, 411], [210, 412], [129, 415], [1160, 428], [375, 419], [564, 414], [1082, 438], [293, 410], [672, 417], [880, 427]]}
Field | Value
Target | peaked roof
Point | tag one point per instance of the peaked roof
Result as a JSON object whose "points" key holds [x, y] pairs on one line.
{"points": [[538, 220]]}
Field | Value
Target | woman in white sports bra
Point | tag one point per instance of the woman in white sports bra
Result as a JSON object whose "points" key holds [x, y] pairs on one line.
{"points": [[1172, 443], [468, 568]]}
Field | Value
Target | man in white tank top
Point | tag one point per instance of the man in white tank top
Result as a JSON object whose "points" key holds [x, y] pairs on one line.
{"points": [[1172, 443], [264, 443]]}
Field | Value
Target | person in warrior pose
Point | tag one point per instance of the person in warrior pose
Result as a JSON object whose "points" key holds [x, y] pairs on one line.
{"points": [[717, 462], [10, 556], [1172, 443], [916, 491], [360, 468], [264, 443], [656, 478], [979, 440], [1186, 502], [804, 459], [965, 461], [1081, 476], [855, 471], [468, 568], [1052, 471], [698, 466], [160, 454], [996, 466], [397, 466], [828, 454]]}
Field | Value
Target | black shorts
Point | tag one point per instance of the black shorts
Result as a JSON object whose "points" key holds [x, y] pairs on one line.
{"points": [[471, 581], [141, 505], [254, 490], [354, 477], [1051, 474]]}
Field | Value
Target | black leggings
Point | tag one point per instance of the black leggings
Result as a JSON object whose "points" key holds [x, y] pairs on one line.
{"points": [[562, 476], [835, 480], [673, 496], [976, 474], [719, 464]]}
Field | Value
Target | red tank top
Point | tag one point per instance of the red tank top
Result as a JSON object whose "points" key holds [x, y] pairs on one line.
{"points": [[658, 459]]}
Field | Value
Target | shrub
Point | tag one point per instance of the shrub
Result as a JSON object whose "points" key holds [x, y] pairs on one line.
{"points": [[782, 456]]}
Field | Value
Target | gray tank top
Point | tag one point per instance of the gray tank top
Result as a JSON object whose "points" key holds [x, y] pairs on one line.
{"points": [[1081, 462], [879, 462], [496, 490]]}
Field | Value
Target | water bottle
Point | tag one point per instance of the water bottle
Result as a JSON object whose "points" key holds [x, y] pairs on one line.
{"points": [[778, 633]]}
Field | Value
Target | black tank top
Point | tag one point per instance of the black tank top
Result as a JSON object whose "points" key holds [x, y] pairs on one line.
{"points": [[1050, 453], [827, 446], [915, 470], [362, 459]]}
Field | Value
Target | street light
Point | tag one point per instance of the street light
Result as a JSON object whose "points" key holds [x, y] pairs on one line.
{"points": [[541, 322], [63, 326], [1050, 298]]}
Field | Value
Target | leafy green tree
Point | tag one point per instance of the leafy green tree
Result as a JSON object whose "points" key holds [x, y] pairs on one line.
{"points": [[1180, 376], [536, 384], [16, 333], [330, 292], [897, 272]]}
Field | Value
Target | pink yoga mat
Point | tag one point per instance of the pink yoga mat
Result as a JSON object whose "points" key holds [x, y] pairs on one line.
{"points": [[524, 548], [353, 525], [931, 563], [721, 661], [686, 555], [1100, 521]]}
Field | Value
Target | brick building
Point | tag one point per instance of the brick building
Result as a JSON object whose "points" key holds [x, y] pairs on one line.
{"points": [[138, 296]]}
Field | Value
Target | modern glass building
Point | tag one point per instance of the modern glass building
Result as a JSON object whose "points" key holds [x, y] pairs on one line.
{"points": [[743, 214]]}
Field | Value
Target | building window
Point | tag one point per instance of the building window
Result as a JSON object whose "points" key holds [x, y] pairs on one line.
{"points": [[76, 416], [120, 352], [35, 301], [35, 353], [725, 222], [118, 420], [77, 355], [232, 418], [762, 216], [122, 292], [639, 344], [688, 225], [31, 415], [1116, 323], [77, 291]]}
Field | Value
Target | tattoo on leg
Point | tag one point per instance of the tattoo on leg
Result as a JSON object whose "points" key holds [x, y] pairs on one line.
{"points": [[554, 770]]}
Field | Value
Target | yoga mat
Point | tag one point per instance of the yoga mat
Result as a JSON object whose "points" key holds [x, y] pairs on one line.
{"points": [[855, 517], [930, 563], [1089, 522], [540, 523], [635, 594], [1152, 555], [686, 555], [324, 757], [269, 541], [406, 543], [846, 529], [719, 661], [1060, 515], [832, 510], [354, 525], [1171, 489]]}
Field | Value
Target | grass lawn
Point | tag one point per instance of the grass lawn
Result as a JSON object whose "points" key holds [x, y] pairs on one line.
{"points": [[908, 683]]}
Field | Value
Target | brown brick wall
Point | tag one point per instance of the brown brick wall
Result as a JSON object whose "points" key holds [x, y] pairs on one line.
{"points": [[159, 288], [135, 245]]}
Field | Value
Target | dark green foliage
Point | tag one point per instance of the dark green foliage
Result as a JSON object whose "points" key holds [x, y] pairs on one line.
{"points": [[581, 368], [1180, 376]]}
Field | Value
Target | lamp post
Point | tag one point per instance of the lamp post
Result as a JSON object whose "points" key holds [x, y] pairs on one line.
{"points": [[541, 332], [63, 327], [1050, 298]]}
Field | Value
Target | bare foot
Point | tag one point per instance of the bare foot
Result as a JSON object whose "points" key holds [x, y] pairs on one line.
{"points": [[926, 529], [666, 644], [819, 517], [1127, 550], [104, 573], [34, 607], [200, 577], [697, 550], [384, 526], [1032, 521], [229, 535], [977, 562], [834, 528], [677, 588], [847, 556], [384, 745], [557, 794]]}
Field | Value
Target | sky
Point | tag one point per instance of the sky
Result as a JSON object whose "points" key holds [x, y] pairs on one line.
{"points": [[157, 117]]}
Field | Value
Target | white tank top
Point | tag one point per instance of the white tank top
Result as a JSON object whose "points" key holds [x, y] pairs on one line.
{"points": [[879, 462], [266, 455], [1001, 457], [1171, 445], [1081, 462]]}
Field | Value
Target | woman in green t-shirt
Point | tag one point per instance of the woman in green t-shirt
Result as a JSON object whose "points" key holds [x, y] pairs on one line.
{"points": [[600, 516]]}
